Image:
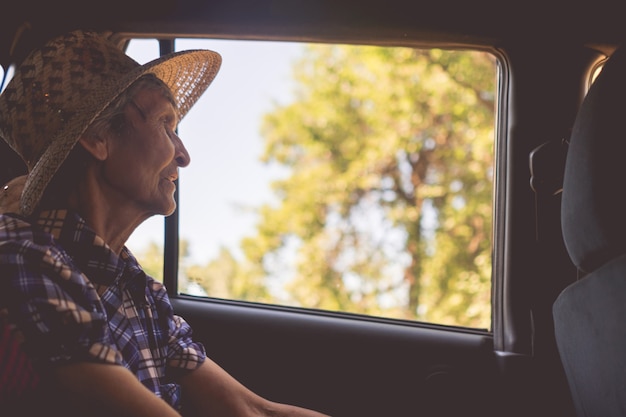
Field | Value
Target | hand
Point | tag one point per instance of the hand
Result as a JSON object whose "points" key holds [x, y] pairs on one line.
{"points": [[10, 195]]}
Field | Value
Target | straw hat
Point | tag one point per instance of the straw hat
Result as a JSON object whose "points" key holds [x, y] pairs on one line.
{"points": [[60, 88]]}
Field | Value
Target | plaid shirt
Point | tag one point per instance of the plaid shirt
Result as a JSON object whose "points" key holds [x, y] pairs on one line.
{"points": [[76, 300]]}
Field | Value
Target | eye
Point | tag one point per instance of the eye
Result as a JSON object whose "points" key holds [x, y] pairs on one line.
{"points": [[169, 125]]}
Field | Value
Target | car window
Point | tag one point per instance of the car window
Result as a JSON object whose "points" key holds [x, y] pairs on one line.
{"points": [[345, 178]]}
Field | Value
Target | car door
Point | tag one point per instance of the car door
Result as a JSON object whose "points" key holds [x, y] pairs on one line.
{"points": [[346, 363], [340, 361]]}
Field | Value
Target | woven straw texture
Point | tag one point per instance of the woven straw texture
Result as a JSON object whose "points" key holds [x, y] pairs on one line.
{"points": [[60, 88]]}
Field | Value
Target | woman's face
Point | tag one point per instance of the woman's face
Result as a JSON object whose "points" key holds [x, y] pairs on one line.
{"points": [[144, 158]]}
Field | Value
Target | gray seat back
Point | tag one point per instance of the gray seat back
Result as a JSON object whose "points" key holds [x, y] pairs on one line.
{"points": [[590, 315]]}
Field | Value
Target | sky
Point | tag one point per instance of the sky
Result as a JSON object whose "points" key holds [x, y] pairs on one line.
{"points": [[221, 133]]}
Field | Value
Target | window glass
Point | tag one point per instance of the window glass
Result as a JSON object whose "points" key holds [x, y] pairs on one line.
{"points": [[345, 178]]}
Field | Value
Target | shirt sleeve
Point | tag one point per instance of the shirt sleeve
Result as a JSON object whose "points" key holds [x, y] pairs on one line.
{"points": [[183, 352], [54, 304]]}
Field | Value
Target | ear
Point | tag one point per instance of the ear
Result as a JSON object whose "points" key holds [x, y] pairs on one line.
{"points": [[96, 146]]}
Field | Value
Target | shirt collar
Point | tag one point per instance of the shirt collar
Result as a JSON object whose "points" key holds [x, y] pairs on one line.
{"points": [[88, 250]]}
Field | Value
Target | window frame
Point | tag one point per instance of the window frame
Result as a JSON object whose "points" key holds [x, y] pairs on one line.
{"points": [[171, 239]]}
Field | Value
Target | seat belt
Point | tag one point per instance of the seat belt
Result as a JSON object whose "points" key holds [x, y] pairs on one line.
{"points": [[547, 167]]}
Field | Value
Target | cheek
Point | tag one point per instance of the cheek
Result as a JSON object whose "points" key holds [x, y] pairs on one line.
{"points": [[141, 157], [159, 150], [168, 152]]}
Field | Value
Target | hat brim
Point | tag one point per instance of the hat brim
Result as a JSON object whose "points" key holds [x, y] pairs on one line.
{"points": [[187, 73]]}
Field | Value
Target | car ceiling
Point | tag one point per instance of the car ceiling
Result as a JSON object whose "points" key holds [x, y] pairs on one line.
{"points": [[454, 22]]}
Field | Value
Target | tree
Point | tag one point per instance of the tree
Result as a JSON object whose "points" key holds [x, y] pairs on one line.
{"points": [[388, 206], [151, 260], [222, 277], [225, 277]]}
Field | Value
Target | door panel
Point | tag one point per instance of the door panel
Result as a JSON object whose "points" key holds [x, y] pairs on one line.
{"points": [[347, 366]]}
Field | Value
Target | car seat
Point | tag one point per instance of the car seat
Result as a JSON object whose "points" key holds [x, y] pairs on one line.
{"points": [[590, 314]]}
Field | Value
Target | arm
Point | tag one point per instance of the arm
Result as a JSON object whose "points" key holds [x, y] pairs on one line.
{"points": [[109, 390], [212, 391]]}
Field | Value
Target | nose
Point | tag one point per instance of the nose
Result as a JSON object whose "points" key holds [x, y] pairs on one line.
{"points": [[181, 156]]}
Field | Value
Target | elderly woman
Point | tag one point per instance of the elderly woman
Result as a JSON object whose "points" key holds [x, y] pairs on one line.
{"points": [[98, 134]]}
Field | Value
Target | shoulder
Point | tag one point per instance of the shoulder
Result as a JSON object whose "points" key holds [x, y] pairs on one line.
{"points": [[15, 228], [36, 269], [26, 246], [12, 226]]}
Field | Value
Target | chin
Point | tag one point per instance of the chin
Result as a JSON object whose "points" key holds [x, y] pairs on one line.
{"points": [[161, 208], [170, 210]]}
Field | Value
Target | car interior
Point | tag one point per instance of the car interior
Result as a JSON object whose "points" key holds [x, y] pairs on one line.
{"points": [[554, 341]]}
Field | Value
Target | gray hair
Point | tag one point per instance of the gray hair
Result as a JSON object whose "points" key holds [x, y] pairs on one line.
{"points": [[112, 119]]}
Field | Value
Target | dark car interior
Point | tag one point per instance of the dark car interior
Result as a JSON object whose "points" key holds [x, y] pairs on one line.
{"points": [[556, 342]]}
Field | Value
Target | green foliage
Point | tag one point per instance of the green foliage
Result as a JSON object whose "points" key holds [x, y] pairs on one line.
{"points": [[389, 199], [223, 277], [151, 260]]}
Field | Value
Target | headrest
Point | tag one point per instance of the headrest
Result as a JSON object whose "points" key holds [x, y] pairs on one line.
{"points": [[593, 208]]}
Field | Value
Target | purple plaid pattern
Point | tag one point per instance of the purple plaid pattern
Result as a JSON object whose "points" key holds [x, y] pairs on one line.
{"points": [[75, 299]]}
